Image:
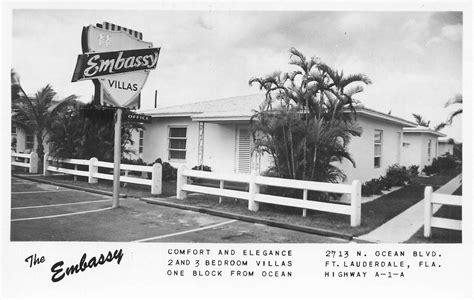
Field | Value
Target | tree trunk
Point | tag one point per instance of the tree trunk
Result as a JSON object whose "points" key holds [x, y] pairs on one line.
{"points": [[292, 151], [314, 161], [286, 150], [40, 151]]}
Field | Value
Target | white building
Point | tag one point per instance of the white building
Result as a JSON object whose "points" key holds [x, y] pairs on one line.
{"points": [[445, 146], [216, 133], [420, 146]]}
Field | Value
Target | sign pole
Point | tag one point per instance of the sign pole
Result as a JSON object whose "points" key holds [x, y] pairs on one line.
{"points": [[117, 157]]}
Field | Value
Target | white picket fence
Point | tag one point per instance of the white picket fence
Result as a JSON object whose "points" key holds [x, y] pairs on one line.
{"points": [[433, 201], [53, 165], [29, 161], [183, 186]]}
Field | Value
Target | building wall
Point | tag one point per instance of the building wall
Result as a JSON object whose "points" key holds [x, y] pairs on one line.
{"points": [[220, 147], [362, 150], [220, 143], [155, 141], [445, 147], [415, 149], [21, 142]]}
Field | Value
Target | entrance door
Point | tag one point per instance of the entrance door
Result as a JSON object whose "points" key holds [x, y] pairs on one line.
{"points": [[243, 151]]}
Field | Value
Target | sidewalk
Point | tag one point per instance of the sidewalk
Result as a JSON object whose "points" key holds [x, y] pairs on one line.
{"points": [[405, 225]]}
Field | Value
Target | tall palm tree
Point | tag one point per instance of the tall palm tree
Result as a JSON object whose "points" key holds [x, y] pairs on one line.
{"points": [[36, 114], [319, 97]]}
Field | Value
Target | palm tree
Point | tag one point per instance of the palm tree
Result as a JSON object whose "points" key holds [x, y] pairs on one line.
{"points": [[420, 121], [455, 100], [83, 131], [308, 127], [36, 114]]}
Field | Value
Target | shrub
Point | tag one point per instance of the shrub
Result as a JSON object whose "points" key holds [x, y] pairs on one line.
{"points": [[413, 170], [397, 176], [138, 162], [445, 162], [169, 173], [373, 187], [430, 169], [202, 168]]}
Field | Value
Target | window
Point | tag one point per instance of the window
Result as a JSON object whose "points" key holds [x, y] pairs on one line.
{"points": [[377, 148], [30, 141], [429, 149], [140, 143], [177, 143]]}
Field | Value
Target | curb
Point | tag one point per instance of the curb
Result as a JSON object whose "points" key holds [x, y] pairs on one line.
{"points": [[69, 186], [249, 219]]}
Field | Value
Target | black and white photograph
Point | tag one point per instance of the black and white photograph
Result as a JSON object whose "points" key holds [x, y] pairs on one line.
{"points": [[163, 147]]}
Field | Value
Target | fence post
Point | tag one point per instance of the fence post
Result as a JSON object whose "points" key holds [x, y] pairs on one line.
{"points": [[93, 169], [305, 198], [46, 164], [253, 190], [221, 187], [180, 181], [156, 177], [356, 205], [428, 211], [33, 162]]}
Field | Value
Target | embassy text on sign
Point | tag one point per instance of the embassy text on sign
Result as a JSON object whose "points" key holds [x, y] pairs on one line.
{"points": [[96, 65]]}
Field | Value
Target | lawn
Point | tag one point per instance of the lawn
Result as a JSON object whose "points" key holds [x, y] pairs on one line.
{"points": [[440, 235]]}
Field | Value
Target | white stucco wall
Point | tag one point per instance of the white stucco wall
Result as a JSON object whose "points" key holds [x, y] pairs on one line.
{"points": [[415, 149], [219, 143], [362, 150], [21, 142], [220, 147], [155, 141]]}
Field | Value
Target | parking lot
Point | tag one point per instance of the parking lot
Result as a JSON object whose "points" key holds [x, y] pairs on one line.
{"points": [[45, 212]]}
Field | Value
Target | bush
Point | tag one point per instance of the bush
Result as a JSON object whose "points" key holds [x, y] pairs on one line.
{"points": [[374, 186], [169, 173], [138, 162], [445, 162], [397, 176], [430, 169], [202, 168], [413, 170]]}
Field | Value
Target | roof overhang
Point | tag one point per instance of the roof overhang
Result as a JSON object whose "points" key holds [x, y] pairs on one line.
{"points": [[424, 130], [198, 118], [362, 111]]}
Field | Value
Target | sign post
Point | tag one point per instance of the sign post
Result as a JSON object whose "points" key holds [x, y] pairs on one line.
{"points": [[117, 157], [118, 61]]}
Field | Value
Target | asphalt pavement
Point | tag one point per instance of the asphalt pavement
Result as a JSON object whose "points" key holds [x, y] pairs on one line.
{"points": [[47, 212]]}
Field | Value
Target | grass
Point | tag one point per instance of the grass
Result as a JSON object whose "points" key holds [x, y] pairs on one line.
{"points": [[440, 235], [374, 213]]}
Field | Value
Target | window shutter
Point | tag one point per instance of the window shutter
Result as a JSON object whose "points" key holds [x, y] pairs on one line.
{"points": [[243, 151]]}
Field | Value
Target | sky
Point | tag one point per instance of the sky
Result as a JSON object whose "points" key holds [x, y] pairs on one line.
{"points": [[414, 59]]}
